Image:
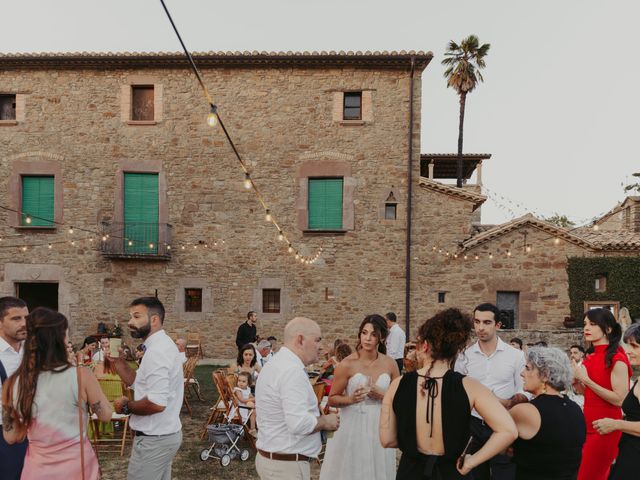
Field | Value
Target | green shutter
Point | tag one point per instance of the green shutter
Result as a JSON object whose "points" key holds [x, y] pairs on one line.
{"points": [[37, 201], [141, 212], [325, 203]]}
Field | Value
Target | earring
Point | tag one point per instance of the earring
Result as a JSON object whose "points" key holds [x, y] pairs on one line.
{"points": [[544, 388]]}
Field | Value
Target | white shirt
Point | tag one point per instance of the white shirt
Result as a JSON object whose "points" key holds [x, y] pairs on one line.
{"points": [[10, 358], [395, 342], [160, 379], [499, 372], [286, 407], [260, 360], [98, 356], [183, 356]]}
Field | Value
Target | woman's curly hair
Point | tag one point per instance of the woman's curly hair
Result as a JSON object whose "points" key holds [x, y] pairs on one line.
{"points": [[447, 334]]}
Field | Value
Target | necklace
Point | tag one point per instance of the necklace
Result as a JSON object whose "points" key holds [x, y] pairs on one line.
{"points": [[371, 362]]}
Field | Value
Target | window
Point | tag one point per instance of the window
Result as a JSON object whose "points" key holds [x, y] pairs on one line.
{"points": [[325, 203], [441, 297], [270, 300], [192, 299], [352, 108], [507, 303], [601, 283], [141, 213], [37, 201], [7, 107], [142, 101], [390, 211]]}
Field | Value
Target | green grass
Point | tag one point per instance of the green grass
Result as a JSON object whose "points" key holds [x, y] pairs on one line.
{"points": [[187, 463]]}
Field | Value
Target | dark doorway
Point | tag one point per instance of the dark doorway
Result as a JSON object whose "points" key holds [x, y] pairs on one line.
{"points": [[38, 294]]}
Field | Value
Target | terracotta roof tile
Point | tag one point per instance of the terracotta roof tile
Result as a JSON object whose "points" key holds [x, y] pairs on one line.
{"points": [[453, 191]]}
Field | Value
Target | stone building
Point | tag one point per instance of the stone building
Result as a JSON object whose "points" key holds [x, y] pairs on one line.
{"points": [[114, 187]]}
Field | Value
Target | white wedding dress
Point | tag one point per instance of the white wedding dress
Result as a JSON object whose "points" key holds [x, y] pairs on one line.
{"points": [[354, 451]]}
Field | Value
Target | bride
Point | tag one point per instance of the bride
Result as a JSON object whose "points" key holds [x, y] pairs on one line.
{"points": [[359, 384]]}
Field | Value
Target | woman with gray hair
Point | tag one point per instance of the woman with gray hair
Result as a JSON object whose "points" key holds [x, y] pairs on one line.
{"points": [[551, 428]]}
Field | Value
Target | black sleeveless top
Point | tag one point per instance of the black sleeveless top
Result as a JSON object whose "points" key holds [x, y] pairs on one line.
{"points": [[555, 451], [631, 406], [455, 408]]}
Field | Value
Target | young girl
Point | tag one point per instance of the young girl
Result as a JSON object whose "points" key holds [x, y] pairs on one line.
{"points": [[243, 395]]}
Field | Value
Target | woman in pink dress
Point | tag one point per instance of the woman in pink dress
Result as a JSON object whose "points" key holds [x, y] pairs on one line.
{"points": [[40, 401]]}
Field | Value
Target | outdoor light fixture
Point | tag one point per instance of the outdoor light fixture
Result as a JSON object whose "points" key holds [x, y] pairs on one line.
{"points": [[280, 235], [151, 245], [50, 246], [27, 219], [212, 118], [71, 230], [556, 241], [130, 243], [247, 181], [267, 215], [104, 238], [290, 249], [528, 249], [508, 253]]}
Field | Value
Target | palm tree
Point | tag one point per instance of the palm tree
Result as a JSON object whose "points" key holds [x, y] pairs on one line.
{"points": [[463, 64]]}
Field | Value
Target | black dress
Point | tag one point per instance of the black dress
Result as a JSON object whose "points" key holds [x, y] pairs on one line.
{"points": [[456, 412], [626, 466], [554, 453]]}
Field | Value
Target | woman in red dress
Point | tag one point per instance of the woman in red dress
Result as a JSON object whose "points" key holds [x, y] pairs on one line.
{"points": [[605, 374]]}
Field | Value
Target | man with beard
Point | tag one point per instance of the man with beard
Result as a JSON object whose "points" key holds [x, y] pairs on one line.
{"points": [[13, 331], [158, 385]]}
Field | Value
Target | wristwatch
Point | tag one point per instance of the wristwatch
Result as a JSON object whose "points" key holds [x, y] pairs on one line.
{"points": [[124, 410]]}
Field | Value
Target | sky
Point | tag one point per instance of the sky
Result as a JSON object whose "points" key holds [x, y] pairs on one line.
{"points": [[557, 110]]}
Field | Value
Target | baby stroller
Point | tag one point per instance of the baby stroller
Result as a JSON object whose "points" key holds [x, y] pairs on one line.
{"points": [[224, 446]]}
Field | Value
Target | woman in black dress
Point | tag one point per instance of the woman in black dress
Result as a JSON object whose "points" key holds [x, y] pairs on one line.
{"points": [[551, 427], [426, 413], [626, 466]]}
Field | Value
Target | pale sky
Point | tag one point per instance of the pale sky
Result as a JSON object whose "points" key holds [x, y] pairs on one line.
{"points": [[556, 110]]}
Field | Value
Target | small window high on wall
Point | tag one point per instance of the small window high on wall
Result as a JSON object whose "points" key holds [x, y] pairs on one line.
{"points": [[507, 303], [192, 299], [7, 107], [142, 103], [270, 300]]}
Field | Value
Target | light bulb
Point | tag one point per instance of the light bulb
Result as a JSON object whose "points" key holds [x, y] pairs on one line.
{"points": [[528, 248], [212, 118], [151, 245], [71, 230], [104, 238], [280, 235], [168, 247], [465, 257], [247, 181], [267, 215], [508, 253], [491, 255], [476, 257], [50, 246], [24, 249], [73, 243], [182, 247], [297, 256], [130, 243], [27, 219], [596, 227], [290, 249], [556, 241]]}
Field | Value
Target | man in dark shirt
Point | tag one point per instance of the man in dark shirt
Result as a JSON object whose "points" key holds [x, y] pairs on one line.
{"points": [[247, 331]]}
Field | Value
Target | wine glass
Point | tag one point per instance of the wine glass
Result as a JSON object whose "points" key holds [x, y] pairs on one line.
{"points": [[365, 385]]}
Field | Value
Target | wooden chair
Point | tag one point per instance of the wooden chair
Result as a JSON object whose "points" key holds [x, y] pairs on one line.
{"points": [[218, 409], [232, 414], [194, 346], [113, 389], [187, 369]]}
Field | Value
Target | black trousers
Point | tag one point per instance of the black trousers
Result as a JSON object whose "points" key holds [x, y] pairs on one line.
{"points": [[499, 467]]}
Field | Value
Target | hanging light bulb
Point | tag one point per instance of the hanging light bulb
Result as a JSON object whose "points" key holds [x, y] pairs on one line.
{"points": [[280, 235], [508, 253], [49, 246], [491, 255], [267, 215], [151, 245], [596, 227], [247, 180], [104, 238], [182, 247], [476, 257], [130, 243], [465, 257], [73, 243], [212, 118], [290, 249], [528, 249], [27, 219], [556, 241], [168, 247], [24, 249], [297, 256], [71, 230]]}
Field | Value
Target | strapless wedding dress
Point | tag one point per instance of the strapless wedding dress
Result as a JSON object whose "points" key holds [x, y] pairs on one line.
{"points": [[354, 451]]}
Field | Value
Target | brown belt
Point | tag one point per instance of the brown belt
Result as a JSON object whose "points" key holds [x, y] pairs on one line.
{"points": [[286, 457]]}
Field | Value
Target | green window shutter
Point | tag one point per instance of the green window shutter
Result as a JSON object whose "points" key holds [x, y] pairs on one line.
{"points": [[325, 203], [141, 212], [37, 200]]}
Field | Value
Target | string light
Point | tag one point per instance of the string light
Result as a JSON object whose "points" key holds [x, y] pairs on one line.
{"points": [[267, 215], [104, 238], [130, 243], [247, 180], [71, 230], [556, 241], [508, 253], [151, 245], [280, 235], [27, 219], [290, 249], [491, 256], [49, 246], [528, 248], [596, 227], [212, 118]]}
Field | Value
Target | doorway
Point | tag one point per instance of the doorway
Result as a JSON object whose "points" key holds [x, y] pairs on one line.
{"points": [[38, 294]]}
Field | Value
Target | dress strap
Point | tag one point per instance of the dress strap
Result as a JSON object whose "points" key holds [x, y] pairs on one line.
{"points": [[431, 388]]}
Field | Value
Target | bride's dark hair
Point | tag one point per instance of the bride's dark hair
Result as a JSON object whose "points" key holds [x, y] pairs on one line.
{"points": [[380, 330]]}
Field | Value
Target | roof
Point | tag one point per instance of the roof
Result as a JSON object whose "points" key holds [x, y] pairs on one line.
{"points": [[445, 164], [384, 60], [527, 220], [620, 206], [451, 190], [586, 237]]}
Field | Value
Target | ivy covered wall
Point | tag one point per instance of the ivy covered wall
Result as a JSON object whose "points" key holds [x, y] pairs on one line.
{"points": [[623, 283]]}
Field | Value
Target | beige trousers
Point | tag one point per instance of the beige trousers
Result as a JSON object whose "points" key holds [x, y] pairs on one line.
{"points": [[280, 470]]}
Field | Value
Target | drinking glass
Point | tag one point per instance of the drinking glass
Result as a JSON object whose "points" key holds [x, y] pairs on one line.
{"points": [[366, 386]]}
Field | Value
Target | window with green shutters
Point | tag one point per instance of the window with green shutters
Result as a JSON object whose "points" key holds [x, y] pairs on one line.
{"points": [[325, 203], [141, 213], [37, 201]]}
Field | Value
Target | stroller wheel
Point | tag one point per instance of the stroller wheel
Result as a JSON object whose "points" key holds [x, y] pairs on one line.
{"points": [[225, 460], [204, 454], [244, 454]]}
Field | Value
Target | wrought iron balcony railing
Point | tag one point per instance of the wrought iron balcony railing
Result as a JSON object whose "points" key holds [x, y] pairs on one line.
{"points": [[136, 240]]}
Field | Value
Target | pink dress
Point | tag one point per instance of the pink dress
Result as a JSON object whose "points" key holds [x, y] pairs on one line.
{"points": [[54, 434]]}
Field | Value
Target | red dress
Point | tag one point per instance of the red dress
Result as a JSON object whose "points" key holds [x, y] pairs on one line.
{"points": [[599, 451]]}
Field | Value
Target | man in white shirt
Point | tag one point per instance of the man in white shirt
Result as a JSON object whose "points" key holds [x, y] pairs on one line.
{"points": [[263, 352], [287, 413], [13, 331], [103, 349], [181, 343], [395, 340], [497, 366], [158, 385]]}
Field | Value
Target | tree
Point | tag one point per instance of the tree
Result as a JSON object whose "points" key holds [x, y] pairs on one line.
{"points": [[633, 187], [464, 63], [560, 221]]}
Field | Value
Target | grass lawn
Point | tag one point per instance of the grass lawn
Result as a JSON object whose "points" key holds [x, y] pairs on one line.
{"points": [[187, 463]]}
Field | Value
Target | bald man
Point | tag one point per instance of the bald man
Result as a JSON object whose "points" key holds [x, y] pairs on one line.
{"points": [[289, 421]]}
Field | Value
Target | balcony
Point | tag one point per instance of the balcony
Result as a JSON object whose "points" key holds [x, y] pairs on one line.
{"points": [[136, 240]]}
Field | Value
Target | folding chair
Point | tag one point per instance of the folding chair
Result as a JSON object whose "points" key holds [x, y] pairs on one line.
{"points": [[113, 389], [187, 370], [218, 410], [194, 346], [232, 414]]}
